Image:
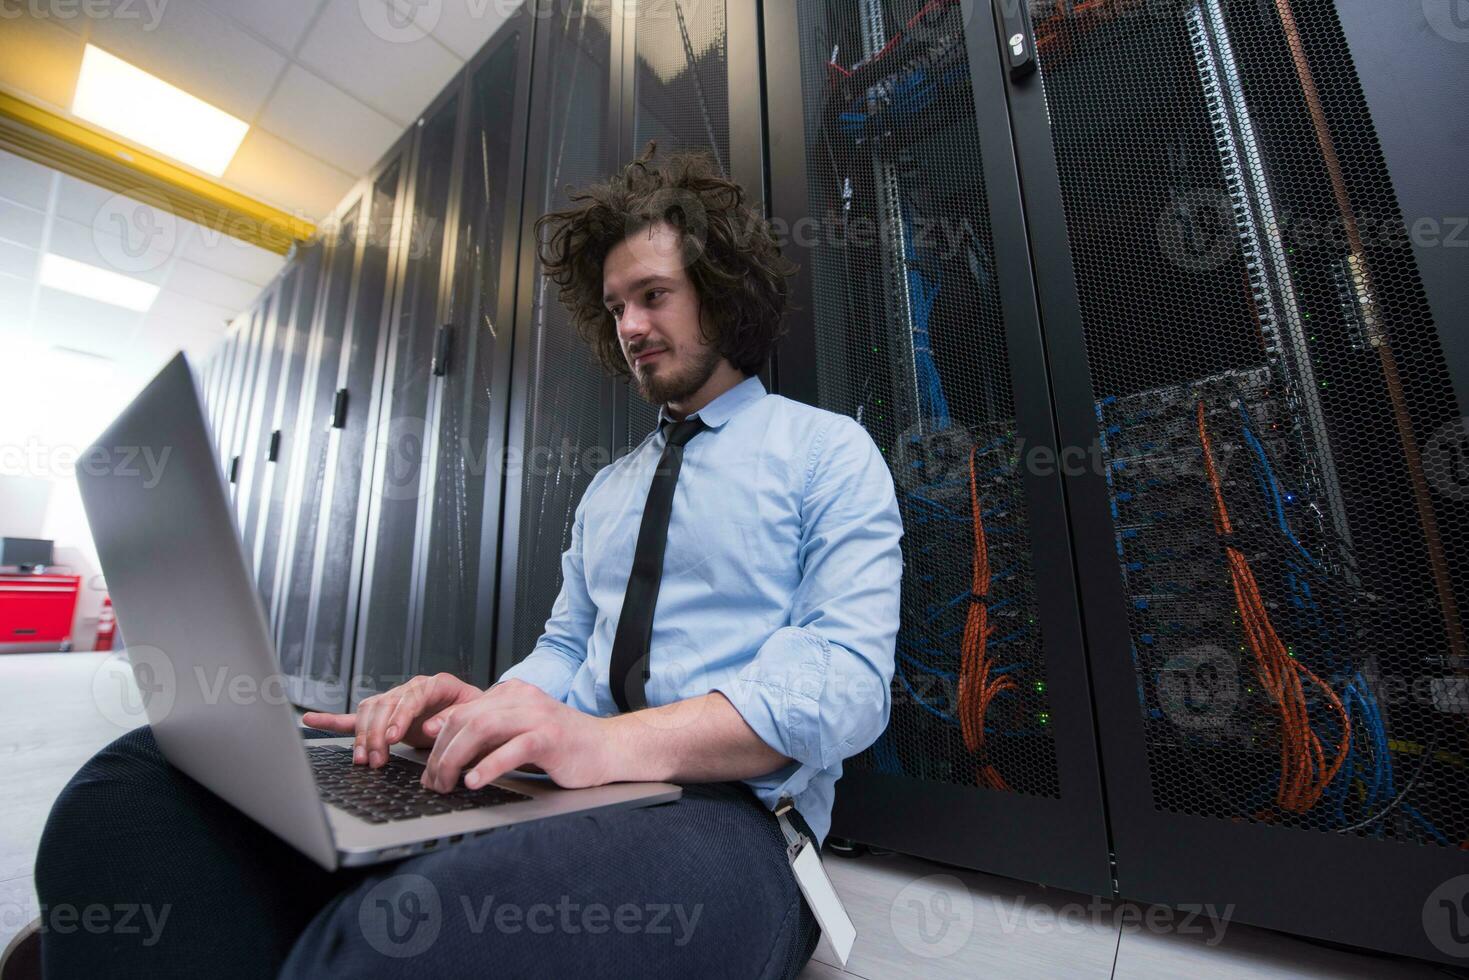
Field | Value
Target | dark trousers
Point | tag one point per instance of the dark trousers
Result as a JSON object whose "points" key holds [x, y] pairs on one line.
{"points": [[144, 872]]}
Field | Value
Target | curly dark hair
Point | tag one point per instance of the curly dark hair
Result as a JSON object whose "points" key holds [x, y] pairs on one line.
{"points": [[729, 253]]}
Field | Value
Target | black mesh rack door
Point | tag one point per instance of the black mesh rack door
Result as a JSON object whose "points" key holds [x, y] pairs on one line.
{"points": [[306, 472], [894, 178], [284, 432], [461, 535], [320, 571], [277, 301], [385, 649], [560, 425], [1273, 540], [341, 539]]}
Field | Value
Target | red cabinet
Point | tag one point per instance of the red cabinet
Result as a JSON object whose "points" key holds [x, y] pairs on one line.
{"points": [[37, 610]]}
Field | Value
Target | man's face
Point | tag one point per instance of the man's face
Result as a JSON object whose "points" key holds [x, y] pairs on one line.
{"points": [[656, 307]]}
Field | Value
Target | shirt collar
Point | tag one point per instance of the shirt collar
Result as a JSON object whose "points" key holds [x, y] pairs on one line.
{"points": [[726, 406]]}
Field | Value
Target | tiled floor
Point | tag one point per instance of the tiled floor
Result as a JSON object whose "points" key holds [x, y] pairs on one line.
{"points": [[914, 918]]}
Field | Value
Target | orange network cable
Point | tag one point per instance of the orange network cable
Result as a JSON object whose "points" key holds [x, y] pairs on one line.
{"points": [[1304, 772], [976, 688]]}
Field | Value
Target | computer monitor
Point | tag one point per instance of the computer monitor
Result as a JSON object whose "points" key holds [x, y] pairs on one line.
{"points": [[25, 552]]}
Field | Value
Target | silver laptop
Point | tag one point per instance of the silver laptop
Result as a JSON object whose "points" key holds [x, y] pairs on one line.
{"points": [[202, 656]]}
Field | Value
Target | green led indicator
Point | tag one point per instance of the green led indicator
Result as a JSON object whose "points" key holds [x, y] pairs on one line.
{"points": [[1044, 717], [1040, 687]]}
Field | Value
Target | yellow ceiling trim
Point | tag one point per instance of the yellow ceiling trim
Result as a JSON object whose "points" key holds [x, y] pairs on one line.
{"points": [[89, 154]]}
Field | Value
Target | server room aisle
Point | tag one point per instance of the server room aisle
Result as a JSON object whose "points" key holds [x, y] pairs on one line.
{"points": [[914, 918]]}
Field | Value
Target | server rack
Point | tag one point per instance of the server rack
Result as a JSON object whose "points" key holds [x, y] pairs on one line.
{"points": [[229, 407], [283, 418], [239, 412], [560, 401], [306, 471], [916, 315], [222, 386], [1244, 326], [274, 305], [317, 623], [384, 655], [459, 527], [436, 487], [607, 78]]}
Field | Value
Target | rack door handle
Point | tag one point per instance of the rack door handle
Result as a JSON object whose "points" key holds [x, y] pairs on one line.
{"points": [[274, 452], [443, 344], [339, 409], [1019, 39]]}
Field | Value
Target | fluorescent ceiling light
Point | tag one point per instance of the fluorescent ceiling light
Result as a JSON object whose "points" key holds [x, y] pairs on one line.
{"points": [[92, 282], [130, 102]]}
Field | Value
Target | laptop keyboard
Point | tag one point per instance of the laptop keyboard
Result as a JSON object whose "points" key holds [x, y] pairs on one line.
{"points": [[392, 792]]}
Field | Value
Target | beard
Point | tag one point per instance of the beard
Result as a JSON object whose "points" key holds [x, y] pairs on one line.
{"points": [[665, 384]]}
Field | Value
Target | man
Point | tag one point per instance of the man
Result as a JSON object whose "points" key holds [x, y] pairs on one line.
{"points": [[765, 535]]}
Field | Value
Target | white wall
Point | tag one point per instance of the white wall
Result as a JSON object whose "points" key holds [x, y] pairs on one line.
{"points": [[23, 501], [52, 405]]}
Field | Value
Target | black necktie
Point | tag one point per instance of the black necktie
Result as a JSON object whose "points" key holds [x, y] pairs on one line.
{"points": [[629, 668]]}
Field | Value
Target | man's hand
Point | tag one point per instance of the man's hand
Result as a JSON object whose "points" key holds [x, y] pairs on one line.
{"points": [[403, 714], [511, 726]]}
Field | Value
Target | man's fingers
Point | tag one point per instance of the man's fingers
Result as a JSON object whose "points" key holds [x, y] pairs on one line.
{"points": [[462, 745], [517, 752], [326, 721], [359, 743], [400, 719], [399, 707], [434, 723]]}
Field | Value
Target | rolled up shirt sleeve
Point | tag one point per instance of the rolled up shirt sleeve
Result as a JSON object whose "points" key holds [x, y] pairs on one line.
{"points": [[819, 689], [562, 647]]}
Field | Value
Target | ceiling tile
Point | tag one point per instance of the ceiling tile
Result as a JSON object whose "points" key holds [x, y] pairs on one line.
{"points": [[25, 182], [218, 251], [368, 50], [136, 256], [210, 286], [17, 260], [157, 229], [21, 225], [281, 22], [314, 187], [322, 119], [140, 222], [65, 320], [465, 25], [159, 340], [15, 301], [191, 46], [40, 58], [176, 307]]}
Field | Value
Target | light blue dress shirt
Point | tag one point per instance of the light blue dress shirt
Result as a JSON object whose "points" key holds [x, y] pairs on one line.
{"points": [[780, 586]]}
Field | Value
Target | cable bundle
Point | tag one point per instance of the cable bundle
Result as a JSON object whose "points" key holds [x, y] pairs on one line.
{"points": [[1304, 773], [976, 687]]}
